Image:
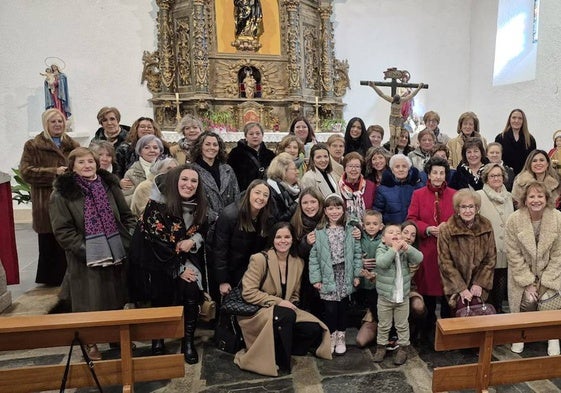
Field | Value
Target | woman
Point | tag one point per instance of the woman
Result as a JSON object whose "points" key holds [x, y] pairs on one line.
{"points": [[149, 149], [357, 192], [516, 140], [92, 223], [403, 144], [106, 153], [421, 154], [336, 145], [302, 128], [168, 247], [497, 206], [241, 232], [375, 134], [250, 158], [537, 167], [468, 127], [280, 328], [442, 151], [533, 249], [430, 208], [110, 130], [283, 181], [495, 156], [468, 172], [466, 251], [394, 193], [291, 144], [126, 152], [44, 158], [189, 128], [218, 178], [431, 120], [320, 175], [377, 159], [356, 138]]}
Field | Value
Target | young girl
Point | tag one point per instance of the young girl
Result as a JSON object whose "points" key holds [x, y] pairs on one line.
{"points": [[335, 267], [291, 144]]}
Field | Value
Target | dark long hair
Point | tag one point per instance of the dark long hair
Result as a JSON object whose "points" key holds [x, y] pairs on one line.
{"points": [[244, 215], [174, 200], [274, 229], [196, 150], [363, 139]]}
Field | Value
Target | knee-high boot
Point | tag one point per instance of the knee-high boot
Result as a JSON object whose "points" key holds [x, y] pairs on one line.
{"points": [[191, 313]]}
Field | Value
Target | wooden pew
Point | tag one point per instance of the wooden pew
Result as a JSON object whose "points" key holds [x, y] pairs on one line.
{"points": [[485, 332], [124, 326]]}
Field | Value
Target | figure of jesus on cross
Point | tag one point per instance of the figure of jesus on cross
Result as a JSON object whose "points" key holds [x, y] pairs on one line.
{"points": [[396, 101]]}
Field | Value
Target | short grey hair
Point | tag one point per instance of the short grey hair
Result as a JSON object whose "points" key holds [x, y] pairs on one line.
{"points": [[146, 139], [400, 156]]}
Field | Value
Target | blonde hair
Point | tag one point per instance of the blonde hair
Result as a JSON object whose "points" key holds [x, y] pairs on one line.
{"points": [[46, 116]]}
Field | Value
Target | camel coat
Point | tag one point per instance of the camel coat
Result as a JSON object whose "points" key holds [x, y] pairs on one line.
{"points": [[455, 146], [528, 259], [315, 180], [257, 330]]}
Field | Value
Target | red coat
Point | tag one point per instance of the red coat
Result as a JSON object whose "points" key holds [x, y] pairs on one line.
{"points": [[422, 211]]}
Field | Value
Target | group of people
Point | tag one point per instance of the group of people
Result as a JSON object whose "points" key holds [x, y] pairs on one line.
{"points": [[134, 220]]}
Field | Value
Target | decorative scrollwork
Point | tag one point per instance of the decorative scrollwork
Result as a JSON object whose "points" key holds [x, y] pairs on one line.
{"points": [[183, 52], [311, 57], [151, 72], [341, 80]]}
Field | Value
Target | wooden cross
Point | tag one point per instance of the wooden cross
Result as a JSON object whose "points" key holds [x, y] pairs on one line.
{"points": [[395, 75]]}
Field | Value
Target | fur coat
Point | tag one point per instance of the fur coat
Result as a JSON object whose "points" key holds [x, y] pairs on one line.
{"points": [[257, 330], [528, 259], [524, 178]]}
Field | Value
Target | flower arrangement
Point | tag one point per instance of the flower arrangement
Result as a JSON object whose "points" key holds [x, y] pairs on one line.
{"points": [[221, 121], [333, 125]]}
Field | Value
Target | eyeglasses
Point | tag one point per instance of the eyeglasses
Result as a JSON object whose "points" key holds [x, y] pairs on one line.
{"points": [[467, 207]]}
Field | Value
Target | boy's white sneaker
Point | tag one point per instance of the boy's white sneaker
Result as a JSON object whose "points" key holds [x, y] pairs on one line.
{"points": [[517, 347], [553, 347]]}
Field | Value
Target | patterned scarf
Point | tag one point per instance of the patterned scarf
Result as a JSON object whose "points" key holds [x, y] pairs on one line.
{"points": [[438, 191], [353, 196], [103, 242]]}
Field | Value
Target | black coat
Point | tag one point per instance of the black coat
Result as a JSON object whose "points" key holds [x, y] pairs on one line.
{"points": [[245, 167]]}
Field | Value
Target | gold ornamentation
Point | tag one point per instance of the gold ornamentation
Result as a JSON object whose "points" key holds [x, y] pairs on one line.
{"points": [[151, 72], [311, 59], [183, 53], [167, 61], [341, 80]]}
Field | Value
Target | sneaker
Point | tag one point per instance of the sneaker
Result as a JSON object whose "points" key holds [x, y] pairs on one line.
{"points": [[553, 347], [392, 344], [380, 353], [93, 352], [340, 345], [400, 356], [517, 347], [333, 341]]}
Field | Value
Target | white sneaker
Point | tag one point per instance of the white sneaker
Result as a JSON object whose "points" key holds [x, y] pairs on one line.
{"points": [[333, 340], [340, 345], [553, 347], [517, 347]]}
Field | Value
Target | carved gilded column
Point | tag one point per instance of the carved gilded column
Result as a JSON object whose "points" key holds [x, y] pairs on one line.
{"points": [[200, 47], [294, 50], [326, 51], [165, 43]]}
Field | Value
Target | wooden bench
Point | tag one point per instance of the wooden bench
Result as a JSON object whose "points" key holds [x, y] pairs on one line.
{"points": [[124, 326], [485, 332]]}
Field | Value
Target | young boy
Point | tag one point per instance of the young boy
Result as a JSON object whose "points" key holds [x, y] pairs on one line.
{"points": [[393, 281], [371, 236]]}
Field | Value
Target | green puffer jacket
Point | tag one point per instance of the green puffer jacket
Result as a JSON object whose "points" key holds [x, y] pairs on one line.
{"points": [[369, 245], [321, 268], [386, 272]]}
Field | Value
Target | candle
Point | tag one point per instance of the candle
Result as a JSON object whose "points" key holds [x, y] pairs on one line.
{"points": [[176, 97], [317, 100]]}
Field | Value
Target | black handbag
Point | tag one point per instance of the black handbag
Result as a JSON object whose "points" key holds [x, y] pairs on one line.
{"points": [[228, 334], [90, 363]]}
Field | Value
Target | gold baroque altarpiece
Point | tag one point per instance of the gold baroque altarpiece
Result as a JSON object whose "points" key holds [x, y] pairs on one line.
{"points": [[200, 66]]}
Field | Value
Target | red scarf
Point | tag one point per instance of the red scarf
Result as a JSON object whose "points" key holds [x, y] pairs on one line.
{"points": [[437, 191]]}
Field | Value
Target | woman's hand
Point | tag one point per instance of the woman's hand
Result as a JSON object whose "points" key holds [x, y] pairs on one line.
{"points": [[189, 275], [356, 233], [184, 245], [466, 295], [531, 292], [287, 304], [126, 183], [224, 288], [476, 290], [60, 170], [311, 238], [433, 231], [317, 285], [356, 281], [368, 263]]}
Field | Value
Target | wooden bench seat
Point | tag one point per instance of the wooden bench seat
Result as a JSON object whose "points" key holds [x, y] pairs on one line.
{"points": [[124, 326], [485, 332]]}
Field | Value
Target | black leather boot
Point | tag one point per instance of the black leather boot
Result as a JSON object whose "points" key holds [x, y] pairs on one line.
{"points": [[158, 347], [191, 316]]}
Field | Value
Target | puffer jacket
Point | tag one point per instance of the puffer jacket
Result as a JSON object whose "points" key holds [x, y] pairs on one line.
{"points": [[386, 270]]}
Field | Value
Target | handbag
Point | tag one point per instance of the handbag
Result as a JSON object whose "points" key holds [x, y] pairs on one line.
{"points": [[207, 310], [474, 308], [550, 300], [89, 362], [228, 334], [528, 303]]}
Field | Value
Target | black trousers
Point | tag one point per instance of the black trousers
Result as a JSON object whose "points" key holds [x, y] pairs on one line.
{"points": [[51, 266], [336, 314], [293, 338]]}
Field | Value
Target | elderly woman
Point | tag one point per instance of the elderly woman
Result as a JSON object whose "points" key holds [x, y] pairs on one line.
{"points": [[466, 251], [537, 167], [110, 130], [336, 145], [394, 193], [497, 206], [442, 151], [218, 178], [302, 128], [126, 152], [423, 152], [431, 119], [168, 244], [468, 127], [92, 223], [106, 154], [189, 128], [533, 249], [357, 192], [283, 181], [250, 158], [403, 144], [468, 172], [291, 144], [356, 138], [149, 148], [320, 175], [516, 140], [280, 328], [495, 156], [430, 208], [376, 161], [44, 158]]}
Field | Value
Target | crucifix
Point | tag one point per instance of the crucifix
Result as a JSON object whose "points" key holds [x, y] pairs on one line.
{"points": [[399, 78]]}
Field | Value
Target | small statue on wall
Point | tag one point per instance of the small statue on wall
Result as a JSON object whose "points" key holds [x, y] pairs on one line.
{"points": [[56, 88], [249, 83], [248, 18]]}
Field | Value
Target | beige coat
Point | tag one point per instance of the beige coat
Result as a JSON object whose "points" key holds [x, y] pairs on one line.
{"points": [[315, 180], [524, 178], [526, 259], [455, 146], [257, 330]]}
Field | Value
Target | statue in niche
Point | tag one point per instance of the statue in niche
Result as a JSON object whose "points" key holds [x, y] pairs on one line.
{"points": [[249, 18], [249, 84], [56, 89], [249, 80]]}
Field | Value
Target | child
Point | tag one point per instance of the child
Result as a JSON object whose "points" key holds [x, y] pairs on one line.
{"points": [[371, 237], [393, 280], [335, 266]]}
